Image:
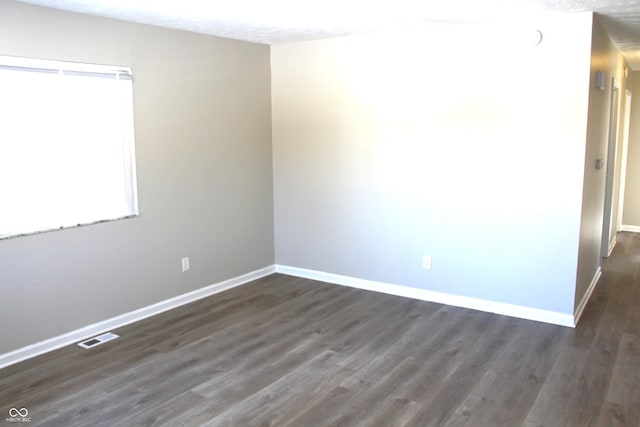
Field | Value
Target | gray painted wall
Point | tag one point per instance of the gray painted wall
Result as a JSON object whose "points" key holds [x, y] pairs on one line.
{"points": [[203, 139], [386, 147], [606, 58], [464, 143]]}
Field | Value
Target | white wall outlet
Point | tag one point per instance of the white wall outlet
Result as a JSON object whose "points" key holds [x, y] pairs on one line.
{"points": [[426, 262], [186, 266]]}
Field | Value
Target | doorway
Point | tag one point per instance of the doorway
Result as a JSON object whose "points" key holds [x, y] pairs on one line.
{"points": [[608, 231], [623, 159]]}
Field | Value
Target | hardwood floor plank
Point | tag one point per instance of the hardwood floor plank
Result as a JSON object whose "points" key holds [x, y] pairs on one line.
{"points": [[389, 413], [623, 398], [309, 376], [463, 363], [177, 411], [378, 390], [508, 389], [562, 382], [614, 415]]}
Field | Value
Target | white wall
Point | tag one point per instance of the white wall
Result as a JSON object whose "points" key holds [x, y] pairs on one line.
{"points": [[203, 139], [466, 143], [631, 214]]}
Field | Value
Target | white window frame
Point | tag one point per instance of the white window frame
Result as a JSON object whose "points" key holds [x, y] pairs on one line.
{"points": [[125, 90]]}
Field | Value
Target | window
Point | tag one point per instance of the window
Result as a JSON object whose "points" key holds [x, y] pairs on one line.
{"points": [[66, 145]]}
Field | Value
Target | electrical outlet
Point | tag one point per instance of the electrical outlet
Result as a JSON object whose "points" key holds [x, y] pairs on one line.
{"points": [[186, 266], [426, 262]]}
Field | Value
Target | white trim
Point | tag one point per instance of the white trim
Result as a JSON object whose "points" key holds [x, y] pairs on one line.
{"points": [[61, 66], [631, 228], [610, 169], [623, 160], [612, 245], [512, 310], [127, 318], [587, 295]]}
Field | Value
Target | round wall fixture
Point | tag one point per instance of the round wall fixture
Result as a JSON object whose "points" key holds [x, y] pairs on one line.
{"points": [[536, 37]]}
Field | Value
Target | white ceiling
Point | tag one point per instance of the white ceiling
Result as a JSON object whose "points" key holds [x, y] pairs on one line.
{"points": [[278, 21]]}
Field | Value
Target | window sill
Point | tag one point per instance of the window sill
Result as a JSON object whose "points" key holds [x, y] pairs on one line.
{"points": [[65, 227]]}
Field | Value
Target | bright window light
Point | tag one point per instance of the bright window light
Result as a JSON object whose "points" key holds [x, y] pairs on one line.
{"points": [[66, 145]]}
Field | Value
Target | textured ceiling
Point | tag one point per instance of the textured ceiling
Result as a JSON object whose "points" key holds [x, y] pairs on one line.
{"points": [[278, 21]]}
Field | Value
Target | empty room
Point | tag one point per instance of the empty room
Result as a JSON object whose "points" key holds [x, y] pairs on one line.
{"points": [[319, 213]]}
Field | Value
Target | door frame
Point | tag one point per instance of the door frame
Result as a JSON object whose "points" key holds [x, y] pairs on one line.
{"points": [[623, 156], [612, 144]]}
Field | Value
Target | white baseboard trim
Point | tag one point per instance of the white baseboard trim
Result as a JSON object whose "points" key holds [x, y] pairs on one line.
{"points": [[631, 228], [587, 295], [512, 310], [127, 318], [612, 246]]}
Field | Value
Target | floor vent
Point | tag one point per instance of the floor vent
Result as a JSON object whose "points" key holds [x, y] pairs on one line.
{"points": [[96, 341]]}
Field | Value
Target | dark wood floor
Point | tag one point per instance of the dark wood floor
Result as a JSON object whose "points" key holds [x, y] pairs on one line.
{"points": [[291, 352]]}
